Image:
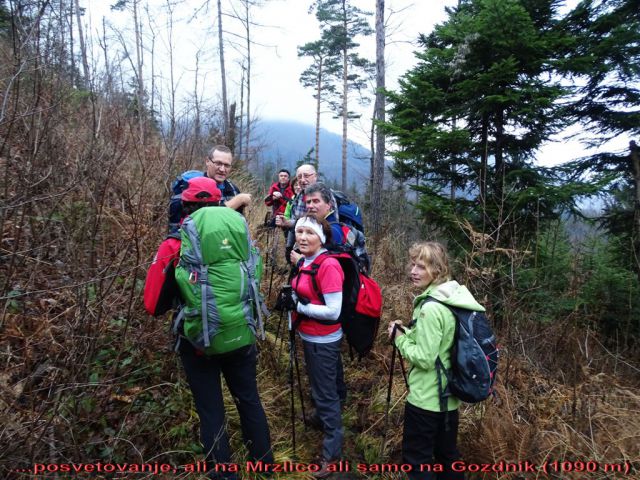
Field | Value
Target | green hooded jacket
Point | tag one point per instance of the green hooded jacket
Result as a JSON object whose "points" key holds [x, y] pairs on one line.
{"points": [[430, 337]]}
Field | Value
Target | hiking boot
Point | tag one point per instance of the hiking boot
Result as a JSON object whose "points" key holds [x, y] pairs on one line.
{"points": [[324, 471], [313, 420]]}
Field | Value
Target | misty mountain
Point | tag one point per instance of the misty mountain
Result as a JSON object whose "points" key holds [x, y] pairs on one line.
{"points": [[284, 143]]}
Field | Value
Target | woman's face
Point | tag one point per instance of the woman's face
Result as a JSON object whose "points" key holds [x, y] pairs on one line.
{"points": [[308, 241], [419, 275]]}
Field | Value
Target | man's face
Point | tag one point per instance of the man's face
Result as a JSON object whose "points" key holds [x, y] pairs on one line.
{"points": [[283, 178], [317, 206], [219, 165], [306, 177]]}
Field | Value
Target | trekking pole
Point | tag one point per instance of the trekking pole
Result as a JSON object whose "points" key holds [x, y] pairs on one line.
{"points": [[274, 261], [295, 362], [267, 257], [292, 394], [404, 372], [279, 326], [386, 414]]}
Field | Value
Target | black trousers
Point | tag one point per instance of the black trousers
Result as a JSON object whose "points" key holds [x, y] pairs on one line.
{"points": [[427, 443], [239, 370]]}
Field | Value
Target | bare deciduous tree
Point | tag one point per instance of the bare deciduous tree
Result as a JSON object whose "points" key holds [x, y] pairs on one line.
{"points": [[223, 74], [377, 172]]}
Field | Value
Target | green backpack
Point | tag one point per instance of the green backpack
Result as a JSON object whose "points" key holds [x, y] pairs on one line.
{"points": [[218, 276]]}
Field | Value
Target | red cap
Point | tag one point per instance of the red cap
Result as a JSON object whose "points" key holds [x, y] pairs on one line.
{"points": [[201, 189]]}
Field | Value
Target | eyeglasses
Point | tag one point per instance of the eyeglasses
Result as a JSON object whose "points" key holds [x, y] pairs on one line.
{"points": [[305, 175], [220, 165]]}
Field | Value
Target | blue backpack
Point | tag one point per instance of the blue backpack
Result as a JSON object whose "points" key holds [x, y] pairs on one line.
{"points": [[175, 203], [474, 358], [348, 212]]}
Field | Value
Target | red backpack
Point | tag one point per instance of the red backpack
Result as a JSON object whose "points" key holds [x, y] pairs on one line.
{"points": [[361, 302]]}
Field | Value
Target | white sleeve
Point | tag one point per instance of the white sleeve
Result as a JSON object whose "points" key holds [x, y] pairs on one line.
{"points": [[329, 311]]}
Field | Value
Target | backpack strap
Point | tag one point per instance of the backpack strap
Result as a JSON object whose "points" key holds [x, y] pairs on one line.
{"points": [[443, 394], [176, 328], [198, 274], [313, 272], [229, 190], [251, 265], [204, 275], [315, 266]]}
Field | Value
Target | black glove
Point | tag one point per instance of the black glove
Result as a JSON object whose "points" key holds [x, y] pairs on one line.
{"points": [[285, 299]]}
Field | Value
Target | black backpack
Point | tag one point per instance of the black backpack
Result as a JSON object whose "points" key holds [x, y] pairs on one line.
{"points": [[474, 358]]}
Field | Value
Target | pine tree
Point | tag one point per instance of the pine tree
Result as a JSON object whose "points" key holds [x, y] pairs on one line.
{"points": [[319, 76], [341, 23]]}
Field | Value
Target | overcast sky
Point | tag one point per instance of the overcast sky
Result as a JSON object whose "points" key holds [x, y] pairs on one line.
{"points": [[283, 26]]}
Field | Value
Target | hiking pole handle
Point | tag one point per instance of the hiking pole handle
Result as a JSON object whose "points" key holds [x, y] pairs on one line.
{"points": [[402, 369], [392, 337]]}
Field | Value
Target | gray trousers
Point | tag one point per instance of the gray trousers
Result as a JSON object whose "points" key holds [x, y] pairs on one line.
{"points": [[323, 363]]}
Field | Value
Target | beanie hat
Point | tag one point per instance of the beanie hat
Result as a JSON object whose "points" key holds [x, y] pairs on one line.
{"points": [[201, 189]]}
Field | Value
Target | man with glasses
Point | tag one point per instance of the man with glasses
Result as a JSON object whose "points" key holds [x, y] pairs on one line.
{"points": [[306, 175], [218, 165]]}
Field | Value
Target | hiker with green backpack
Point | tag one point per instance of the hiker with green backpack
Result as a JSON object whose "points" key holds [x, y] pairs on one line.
{"points": [[211, 274], [429, 441]]}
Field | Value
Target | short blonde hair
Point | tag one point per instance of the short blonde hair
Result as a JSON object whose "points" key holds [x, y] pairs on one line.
{"points": [[435, 258]]}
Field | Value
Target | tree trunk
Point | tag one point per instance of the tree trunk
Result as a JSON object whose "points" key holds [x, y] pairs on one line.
{"points": [[223, 73], [196, 104], [232, 127], [241, 126], [72, 46], [152, 95], [318, 105], [173, 88], [379, 115], [499, 178], [107, 64], [247, 131], [484, 154], [83, 49], [62, 47], [634, 154], [452, 188], [139, 60], [345, 102]]}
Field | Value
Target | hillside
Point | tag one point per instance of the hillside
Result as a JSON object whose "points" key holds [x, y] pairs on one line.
{"points": [[285, 143]]}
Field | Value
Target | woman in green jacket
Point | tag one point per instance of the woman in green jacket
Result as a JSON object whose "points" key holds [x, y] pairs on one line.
{"points": [[429, 441]]}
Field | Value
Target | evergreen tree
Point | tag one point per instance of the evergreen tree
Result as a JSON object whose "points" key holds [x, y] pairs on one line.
{"points": [[5, 18], [604, 60], [470, 116], [341, 23], [468, 120], [319, 76]]}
